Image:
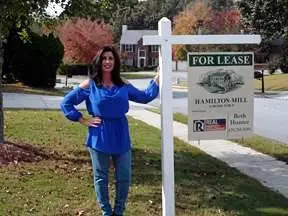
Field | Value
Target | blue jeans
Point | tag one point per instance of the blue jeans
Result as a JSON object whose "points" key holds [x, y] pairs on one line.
{"points": [[122, 165]]}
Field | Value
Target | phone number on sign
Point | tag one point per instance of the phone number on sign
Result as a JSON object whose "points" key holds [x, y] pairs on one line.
{"points": [[239, 129], [221, 105]]}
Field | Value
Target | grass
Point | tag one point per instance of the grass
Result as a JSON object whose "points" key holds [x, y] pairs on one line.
{"points": [[136, 76], [204, 186], [20, 88], [258, 143], [176, 116], [276, 82]]}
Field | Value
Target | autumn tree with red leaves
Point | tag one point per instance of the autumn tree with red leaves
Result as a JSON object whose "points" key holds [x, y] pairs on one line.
{"points": [[82, 38], [200, 18], [190, 22], [225, 22]]}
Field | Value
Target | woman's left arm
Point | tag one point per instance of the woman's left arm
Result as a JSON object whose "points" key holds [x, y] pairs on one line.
{"points": [[147, 95]]}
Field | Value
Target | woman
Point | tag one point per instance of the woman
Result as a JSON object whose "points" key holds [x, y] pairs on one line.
{"points": [[107, 100]]}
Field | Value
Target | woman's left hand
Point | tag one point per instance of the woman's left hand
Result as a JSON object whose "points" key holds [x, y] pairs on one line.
{"points": [[156, 78]]}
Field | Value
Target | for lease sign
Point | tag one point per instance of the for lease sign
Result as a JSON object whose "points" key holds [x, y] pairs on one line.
{"points": [[220, 95]]}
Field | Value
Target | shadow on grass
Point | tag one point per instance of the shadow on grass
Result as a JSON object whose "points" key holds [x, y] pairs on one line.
{"points": [[266, 93], [203, 184], [282, 157]]}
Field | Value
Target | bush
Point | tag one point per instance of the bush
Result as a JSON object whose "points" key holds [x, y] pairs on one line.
{"points": [[34, 62], [127, 68], [74, 69], [273, 64], [11, 57], [284, 68], [77, 69], [62, 69], [8, 78]]}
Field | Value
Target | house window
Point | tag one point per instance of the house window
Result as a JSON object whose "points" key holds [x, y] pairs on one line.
{"points": [[142, 53], [150, 61], [154, 61], [129, 62], [154, 48], [128, 47]]}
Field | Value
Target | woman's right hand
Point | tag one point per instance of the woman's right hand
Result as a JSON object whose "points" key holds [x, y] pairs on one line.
{"points": [[91, 122]]}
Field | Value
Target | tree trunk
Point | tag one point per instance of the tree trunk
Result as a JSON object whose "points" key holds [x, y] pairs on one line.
{"points": [[1, 97]]}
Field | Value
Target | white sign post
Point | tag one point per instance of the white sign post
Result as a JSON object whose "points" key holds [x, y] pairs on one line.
{"points": [[165, 40]]}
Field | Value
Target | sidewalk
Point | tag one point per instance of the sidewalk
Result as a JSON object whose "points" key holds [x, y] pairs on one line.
{"points": [[32, 101], [267, 170]]}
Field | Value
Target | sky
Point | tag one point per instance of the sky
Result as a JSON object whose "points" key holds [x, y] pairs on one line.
{"points": [[58, 9], [54, 9]]}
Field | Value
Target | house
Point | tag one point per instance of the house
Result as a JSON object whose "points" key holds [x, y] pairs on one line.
{"points": [[132, 51]]}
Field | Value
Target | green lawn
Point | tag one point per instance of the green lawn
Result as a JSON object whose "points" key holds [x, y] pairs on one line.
{"points": [[20, 88], [258, 143], [136, 76], [277, 82], [62, 183]]}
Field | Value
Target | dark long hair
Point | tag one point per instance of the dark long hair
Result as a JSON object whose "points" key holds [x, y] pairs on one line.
{"points": [[96, 67]]}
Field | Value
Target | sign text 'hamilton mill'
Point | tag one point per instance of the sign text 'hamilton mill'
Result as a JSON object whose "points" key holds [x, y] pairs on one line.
{"points": [[220, 60], [221, 100]]}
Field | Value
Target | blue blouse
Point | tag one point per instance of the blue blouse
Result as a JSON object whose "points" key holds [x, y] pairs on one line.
{"points": [[111, 105]]}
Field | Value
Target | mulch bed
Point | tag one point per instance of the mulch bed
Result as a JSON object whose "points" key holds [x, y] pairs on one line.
{"points": [[17, 153]]}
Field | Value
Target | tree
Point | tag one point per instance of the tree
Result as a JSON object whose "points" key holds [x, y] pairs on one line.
{"points": [[96, 9], [221, 5], [190, 22], [17, 13], [265, 17], [83, 38], [201, 18], [269, 19], [145, 15], [1, 98], [225, 22], [35, 62]]}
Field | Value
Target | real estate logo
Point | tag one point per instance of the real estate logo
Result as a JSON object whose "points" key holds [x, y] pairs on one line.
{"points": [[205, 125]]}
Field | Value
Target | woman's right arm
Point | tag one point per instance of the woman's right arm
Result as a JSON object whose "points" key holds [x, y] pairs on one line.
{"points": [[73, 98]]}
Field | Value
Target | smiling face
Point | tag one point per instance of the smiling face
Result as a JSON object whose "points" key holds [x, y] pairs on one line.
{"points": [[106, 65], [108, 62]]}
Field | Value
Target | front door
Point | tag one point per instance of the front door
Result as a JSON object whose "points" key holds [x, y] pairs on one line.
{"points": [[142, 62], [141, 57]]}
